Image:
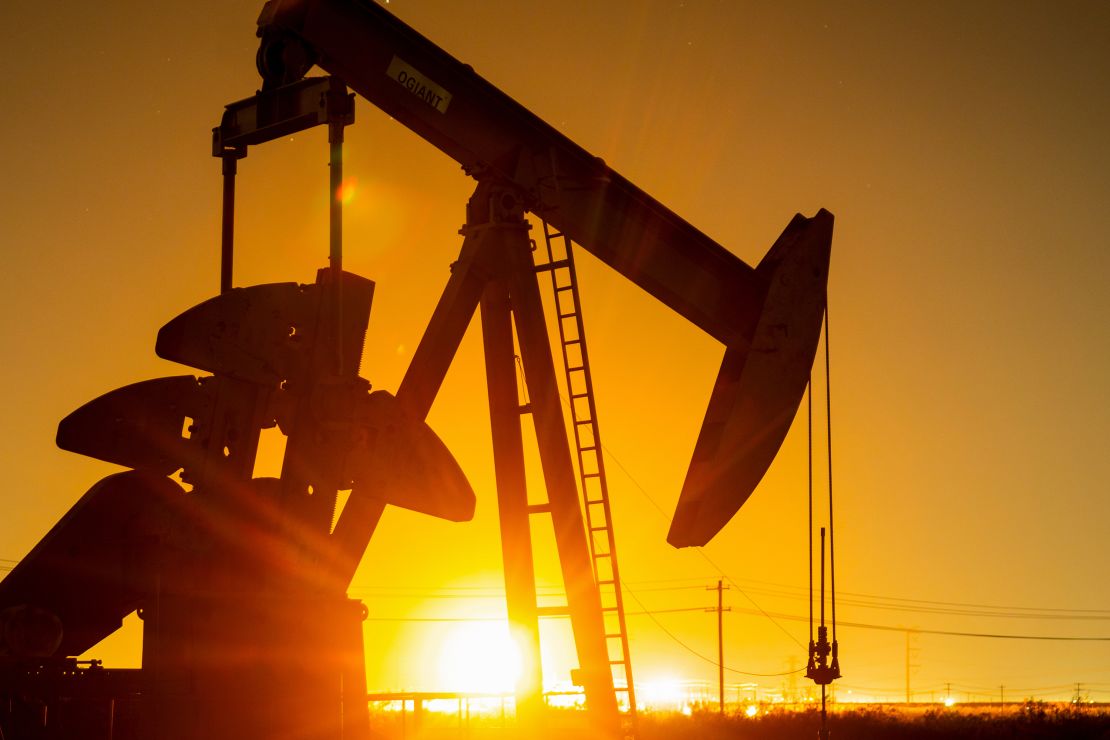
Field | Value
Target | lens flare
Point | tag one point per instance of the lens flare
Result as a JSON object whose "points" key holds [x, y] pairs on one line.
{"points": [[346, 192]]}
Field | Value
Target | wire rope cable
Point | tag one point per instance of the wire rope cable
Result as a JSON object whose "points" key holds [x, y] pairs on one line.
{"points": [[828, 439], [809, 476]]}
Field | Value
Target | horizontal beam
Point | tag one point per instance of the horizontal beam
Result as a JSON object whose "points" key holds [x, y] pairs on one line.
{"points": [[491, 135], [274, 114]]}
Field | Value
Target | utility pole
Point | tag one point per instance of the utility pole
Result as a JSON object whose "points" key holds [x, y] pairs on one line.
{"points": [[720, 609], [907, 666], [911, 652]]}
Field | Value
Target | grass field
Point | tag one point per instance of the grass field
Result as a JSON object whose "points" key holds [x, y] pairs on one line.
{"points": [[1035, 722], [1030, 721]]}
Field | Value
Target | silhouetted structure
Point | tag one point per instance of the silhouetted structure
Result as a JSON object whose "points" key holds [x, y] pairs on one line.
{"points": [[241, 582]]}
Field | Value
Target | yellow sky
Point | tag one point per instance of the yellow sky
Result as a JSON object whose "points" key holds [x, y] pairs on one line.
{"points": [[962, 149]]}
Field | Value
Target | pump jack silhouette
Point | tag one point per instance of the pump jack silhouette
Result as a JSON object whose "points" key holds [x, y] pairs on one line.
{"points": [[241, 582]]}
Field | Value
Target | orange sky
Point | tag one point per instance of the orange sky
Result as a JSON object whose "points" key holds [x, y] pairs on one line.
{"points": [[961, 146]]}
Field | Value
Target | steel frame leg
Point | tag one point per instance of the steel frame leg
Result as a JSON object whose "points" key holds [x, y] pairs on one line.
{"points": [[495, 268], [512, 495]]}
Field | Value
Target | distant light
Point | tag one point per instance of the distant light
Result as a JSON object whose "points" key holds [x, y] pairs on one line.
{"points": [[949, 701], [752, 710], [666, 692], [687, 710]]}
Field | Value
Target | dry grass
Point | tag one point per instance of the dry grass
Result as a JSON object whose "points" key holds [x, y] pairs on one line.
{"points": [[1031, 721]]}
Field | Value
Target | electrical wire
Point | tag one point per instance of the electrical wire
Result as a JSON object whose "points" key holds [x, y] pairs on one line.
{"points": [[929, 606], [774, 616], [783, 589], [692, 651], [949, 633]]}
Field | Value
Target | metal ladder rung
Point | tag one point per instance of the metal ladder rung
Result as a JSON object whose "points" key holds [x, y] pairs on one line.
{"points": [[548, 266], [567, 283], [524, 408], [553, 611], [539, 508]]}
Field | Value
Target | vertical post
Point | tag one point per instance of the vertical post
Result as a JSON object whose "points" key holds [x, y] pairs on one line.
{"points": [[907, 666], [335, 170], [227, 230], [512, 496], [335, 228], [720, 609], [720, 647], [823, 733]]}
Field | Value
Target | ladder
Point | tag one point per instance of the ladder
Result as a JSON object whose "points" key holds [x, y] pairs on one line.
{"points": [[591, 465]]}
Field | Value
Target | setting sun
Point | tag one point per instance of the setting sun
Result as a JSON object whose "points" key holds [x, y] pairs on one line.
{"points": [[478, 657]]}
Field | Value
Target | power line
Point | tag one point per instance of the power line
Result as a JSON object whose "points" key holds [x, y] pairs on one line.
{"points": [[752, 612], [691, 650], [1027, 613], [793, 591], [798, 592], [492, 592], [950, 633]]}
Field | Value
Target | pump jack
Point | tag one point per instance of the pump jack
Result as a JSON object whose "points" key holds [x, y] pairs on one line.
{"points": [[241, 582]]}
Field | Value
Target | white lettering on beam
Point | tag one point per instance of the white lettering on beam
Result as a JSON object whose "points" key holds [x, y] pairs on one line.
{"points": [[405, 75]]}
